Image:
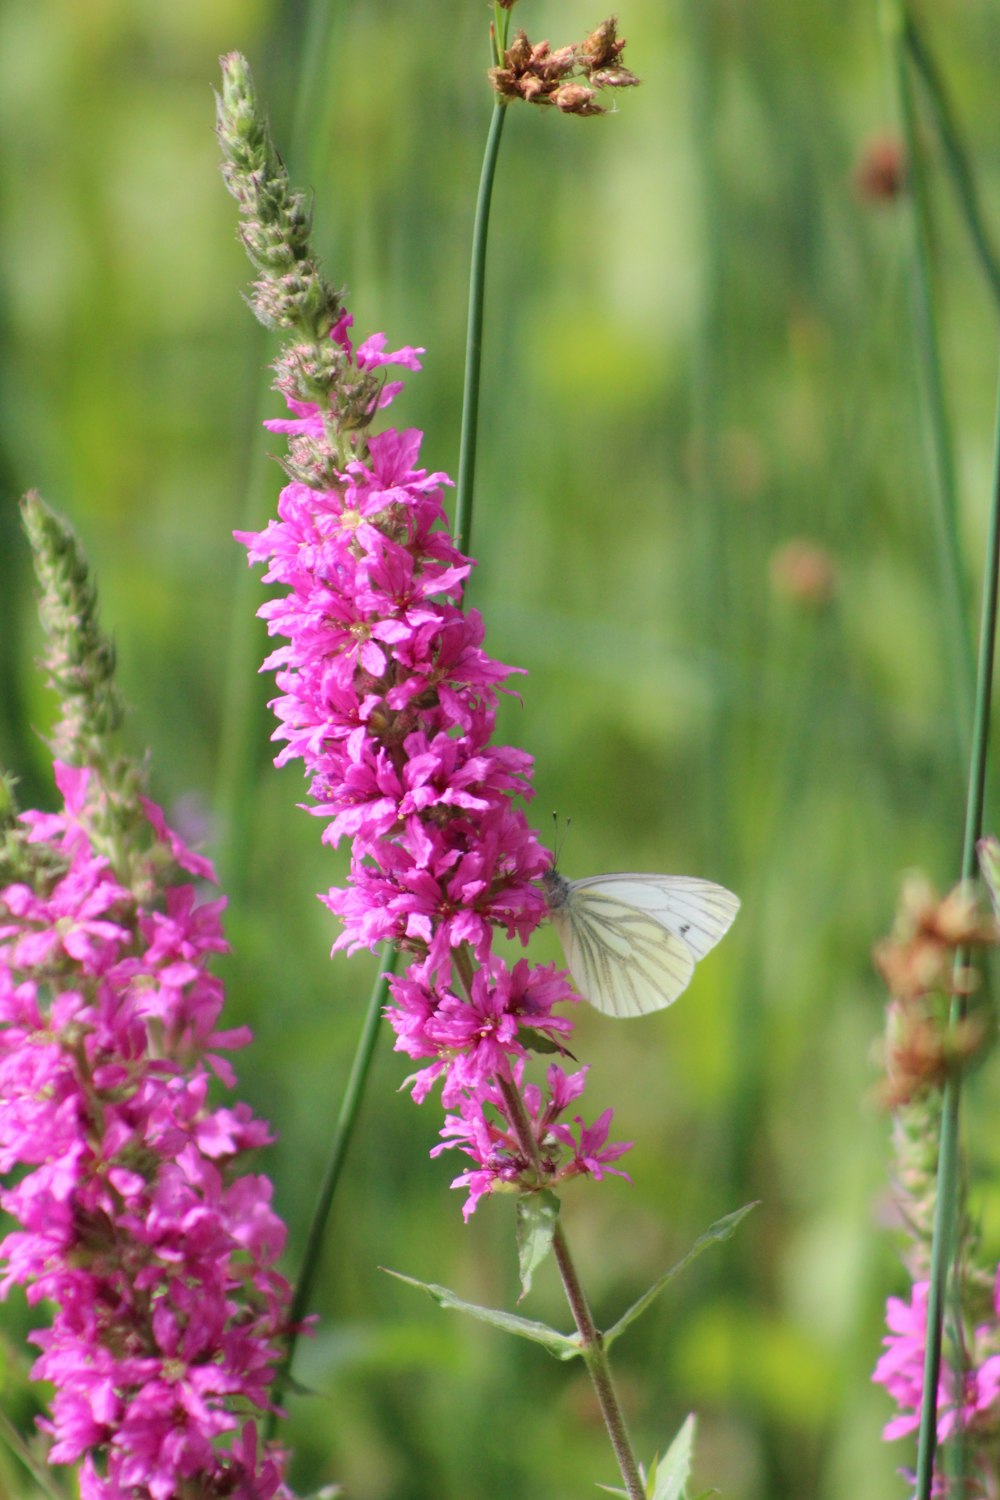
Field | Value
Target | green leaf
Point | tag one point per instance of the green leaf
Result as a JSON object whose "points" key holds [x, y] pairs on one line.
{"points": [[537, 1217], [561, 1345], [669, 1478], [720, 1230], [533, 1041]]}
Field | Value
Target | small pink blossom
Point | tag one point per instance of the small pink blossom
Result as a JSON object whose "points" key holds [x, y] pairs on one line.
{"points": [[968, 1401]]}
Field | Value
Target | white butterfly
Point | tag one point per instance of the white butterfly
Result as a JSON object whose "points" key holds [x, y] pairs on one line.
{"points": [[632, 941]]}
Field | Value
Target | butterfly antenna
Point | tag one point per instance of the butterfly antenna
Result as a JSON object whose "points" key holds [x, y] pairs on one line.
{"points": [[560, 838]]}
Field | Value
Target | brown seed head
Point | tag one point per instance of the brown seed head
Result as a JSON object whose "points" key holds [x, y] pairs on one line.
{"points": [[602, 47], [919, 957], [518, 54], [539, 75], [576, 99], [922, 1051], [551, 67]]}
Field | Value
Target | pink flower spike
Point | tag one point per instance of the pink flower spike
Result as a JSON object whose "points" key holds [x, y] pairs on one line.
{"points": [[136, 1216], [387, 695]]}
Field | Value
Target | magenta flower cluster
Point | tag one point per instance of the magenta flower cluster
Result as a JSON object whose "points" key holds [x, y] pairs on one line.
{"points": [[389, 699], [967, 1402], [134, 1217]]}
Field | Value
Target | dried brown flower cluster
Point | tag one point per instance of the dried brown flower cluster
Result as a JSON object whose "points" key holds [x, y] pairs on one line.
{"points": [[568, 77], [924, 964]]}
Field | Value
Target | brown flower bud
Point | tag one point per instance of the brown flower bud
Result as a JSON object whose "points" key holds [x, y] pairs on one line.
{"points": [[880, 170], [919, 957], [804, 573], [602, 47], [576, 99]]}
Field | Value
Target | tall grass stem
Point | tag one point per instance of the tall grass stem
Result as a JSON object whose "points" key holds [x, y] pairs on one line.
{"points": [[339, 1146], [474, 335], [955, 155], [948, 540], [711, 537], [946, 1206]]}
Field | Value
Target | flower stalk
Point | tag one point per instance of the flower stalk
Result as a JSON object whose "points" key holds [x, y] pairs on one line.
{"points": [[948, 541], [948, 1165], [389, 699], [957, 1398], [591, 1341]]}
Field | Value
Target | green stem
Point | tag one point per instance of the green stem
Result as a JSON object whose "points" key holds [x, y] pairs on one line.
{"points": [[953, 585], [474, 336], [342, 1135], [955, 154], [948, 1153], [591, 1340], [712, 529], [17, 1445]]}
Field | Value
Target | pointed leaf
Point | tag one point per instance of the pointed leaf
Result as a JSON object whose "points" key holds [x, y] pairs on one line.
{"points": [[537, 1217], [671, 1474], [719, 1231], [558, 1344], [534, 1041]]}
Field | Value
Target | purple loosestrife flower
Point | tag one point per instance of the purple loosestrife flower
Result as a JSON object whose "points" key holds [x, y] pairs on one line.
{"points": [[925, 963], [388, 697], [137, 1218], [968, 1400]]}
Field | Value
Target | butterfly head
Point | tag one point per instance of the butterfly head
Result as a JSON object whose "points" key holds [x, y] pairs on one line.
{"points": [[556, 889]]}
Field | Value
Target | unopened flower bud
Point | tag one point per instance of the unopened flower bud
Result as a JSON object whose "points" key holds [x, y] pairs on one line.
{"points": [[576, 99], [880, 171], [804, 573]]}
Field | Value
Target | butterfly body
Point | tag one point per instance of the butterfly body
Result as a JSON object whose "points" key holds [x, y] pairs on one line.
{"points": [[631, 941]]}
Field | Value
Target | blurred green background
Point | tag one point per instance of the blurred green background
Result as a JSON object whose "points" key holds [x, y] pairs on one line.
{"points": [[704, 525]]}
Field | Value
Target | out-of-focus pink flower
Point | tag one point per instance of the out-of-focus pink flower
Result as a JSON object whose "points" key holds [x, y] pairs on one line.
{"points": [[135, 1214]]}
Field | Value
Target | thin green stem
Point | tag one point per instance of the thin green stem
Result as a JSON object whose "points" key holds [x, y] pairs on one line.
{"points": [[946, 1205], [591, 1340], [712, 530], [949, 548], [17, 1445], [972, 699], [955, 154], [342, 1135], [474, 335]]}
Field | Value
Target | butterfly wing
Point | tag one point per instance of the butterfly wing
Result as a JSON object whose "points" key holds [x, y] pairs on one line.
{"points": [[699, 912], [631, 941]]}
